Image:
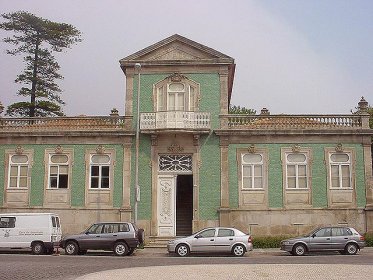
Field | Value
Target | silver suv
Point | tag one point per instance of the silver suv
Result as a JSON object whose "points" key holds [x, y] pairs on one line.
{"points": [[122, 238], [346, 240]]}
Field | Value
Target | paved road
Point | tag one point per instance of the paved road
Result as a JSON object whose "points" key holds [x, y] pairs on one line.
{"points": [[157, 264]]}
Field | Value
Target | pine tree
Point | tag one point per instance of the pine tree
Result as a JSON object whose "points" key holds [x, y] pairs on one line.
{"points": [[36, 38]]}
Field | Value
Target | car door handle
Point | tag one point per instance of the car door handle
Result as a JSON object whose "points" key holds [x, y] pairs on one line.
{"points": [[328, 239], [115, 234], [212, 239], [97, 236], [346, 238], [230, 238]]}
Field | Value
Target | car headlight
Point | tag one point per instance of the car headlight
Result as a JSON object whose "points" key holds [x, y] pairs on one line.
{"points": [[285, 242]]}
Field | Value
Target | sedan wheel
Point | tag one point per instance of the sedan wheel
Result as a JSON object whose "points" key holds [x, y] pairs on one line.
{"points": [[238, 250], [182, 250], [351, 249], [299, 250]]}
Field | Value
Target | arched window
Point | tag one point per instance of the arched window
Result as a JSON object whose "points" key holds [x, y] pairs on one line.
{"points": [[176, 93]]}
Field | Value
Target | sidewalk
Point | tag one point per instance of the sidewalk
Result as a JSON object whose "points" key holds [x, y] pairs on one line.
{"points": [[237, 271]]}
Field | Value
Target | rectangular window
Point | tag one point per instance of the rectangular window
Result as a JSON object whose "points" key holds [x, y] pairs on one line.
{"points": [[18, 171], [100, 172], [340, 170], [252, 171], [58, 171], [296, 171]]}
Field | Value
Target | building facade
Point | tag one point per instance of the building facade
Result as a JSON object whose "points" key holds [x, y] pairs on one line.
{"points": [[177, 161]]}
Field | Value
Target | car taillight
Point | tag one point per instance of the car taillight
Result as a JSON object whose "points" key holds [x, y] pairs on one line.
{"points": [[250, 239], [362, 238]]}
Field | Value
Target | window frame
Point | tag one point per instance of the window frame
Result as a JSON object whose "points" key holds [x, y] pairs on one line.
{"points": [[162, 91], [100, 176], [18, 176], [58, 165], [340, 173], [252, 176], [305, 163]]}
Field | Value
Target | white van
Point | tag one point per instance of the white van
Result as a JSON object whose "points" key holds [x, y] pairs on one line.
{"points": [[39, 231]]}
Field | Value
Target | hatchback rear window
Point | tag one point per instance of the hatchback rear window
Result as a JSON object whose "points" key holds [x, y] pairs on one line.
{"points": [[341, 231]]}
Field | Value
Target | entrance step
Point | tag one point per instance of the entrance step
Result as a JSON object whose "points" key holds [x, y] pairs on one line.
{"points": [[157, 242]]}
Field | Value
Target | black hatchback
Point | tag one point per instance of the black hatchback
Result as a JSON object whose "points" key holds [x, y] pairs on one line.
{"points": [[122, 238]]}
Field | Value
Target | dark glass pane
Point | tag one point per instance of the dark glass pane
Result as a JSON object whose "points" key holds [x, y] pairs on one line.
{"points": [[63, 181], [105, 182], [94, 170], [105, 171], [53, 182], [94, 183]]}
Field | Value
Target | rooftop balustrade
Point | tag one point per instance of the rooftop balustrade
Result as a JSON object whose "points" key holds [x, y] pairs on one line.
{"points": [[252, 122], [83, 124]]}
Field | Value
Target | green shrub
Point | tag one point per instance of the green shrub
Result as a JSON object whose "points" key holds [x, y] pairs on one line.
{"points": [[369, 239], [268, 241]]}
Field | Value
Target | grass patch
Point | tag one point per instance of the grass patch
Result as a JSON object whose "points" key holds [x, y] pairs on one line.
{"points": [[268, 241], [369, 239]]}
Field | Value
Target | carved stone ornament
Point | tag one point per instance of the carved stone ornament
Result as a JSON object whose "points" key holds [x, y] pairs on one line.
{"points": [[175, 148], [58, 149], [100, 149], [19, 150], [154, 139], [251, 149], [296, 148], [339, 148], [196, 140], [177, 77]]}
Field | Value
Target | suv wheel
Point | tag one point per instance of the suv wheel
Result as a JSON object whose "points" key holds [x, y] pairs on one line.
{"points": [[121, 249], [141, 235], [71, 248]]}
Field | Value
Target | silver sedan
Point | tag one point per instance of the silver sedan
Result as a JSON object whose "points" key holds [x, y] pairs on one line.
{"points": [[209, 240]]}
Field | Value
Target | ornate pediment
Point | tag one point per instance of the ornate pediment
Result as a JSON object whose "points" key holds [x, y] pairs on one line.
{"points": [[173, 54], [176, 48]]}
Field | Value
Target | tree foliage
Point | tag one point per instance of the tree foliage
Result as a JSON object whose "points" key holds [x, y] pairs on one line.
{"points": [[1, 107], [36, 39], [238, 110]]}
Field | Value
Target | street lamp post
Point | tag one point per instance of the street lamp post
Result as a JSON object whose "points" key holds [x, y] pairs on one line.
{"points": [[137, 187]]}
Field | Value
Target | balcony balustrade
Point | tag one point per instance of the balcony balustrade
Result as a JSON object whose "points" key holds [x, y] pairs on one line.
{"points": [[175, 120]]}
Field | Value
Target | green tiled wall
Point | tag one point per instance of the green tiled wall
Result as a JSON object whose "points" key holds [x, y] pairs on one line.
{"points": [[210, 180], [209, 89], [319, 174], [209, 185], [145, 178], [78, 173]]}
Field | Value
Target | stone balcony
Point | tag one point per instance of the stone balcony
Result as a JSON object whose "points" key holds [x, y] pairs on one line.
{"points": [[175, 121]]}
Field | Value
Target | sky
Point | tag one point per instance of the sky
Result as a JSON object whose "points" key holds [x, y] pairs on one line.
{"points": [[292, 56]]}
